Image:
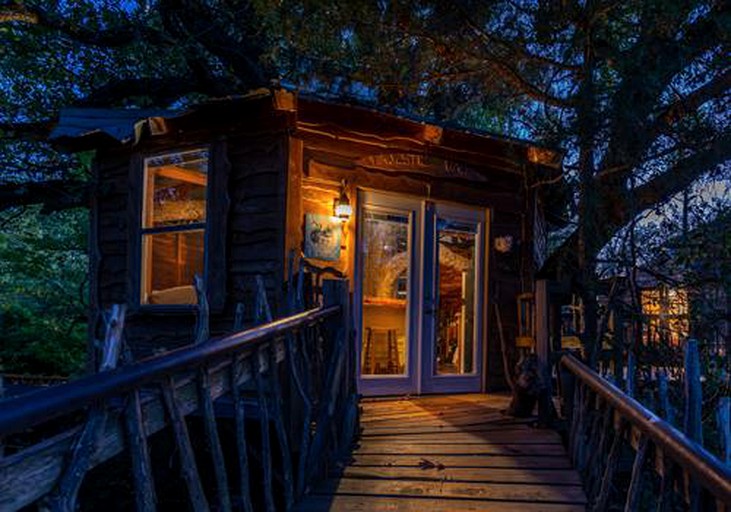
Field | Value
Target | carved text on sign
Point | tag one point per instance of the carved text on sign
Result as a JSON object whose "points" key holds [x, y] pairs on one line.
{"points": [[421, 164]]}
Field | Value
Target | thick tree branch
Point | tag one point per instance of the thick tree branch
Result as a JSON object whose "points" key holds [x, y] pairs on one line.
{"points": [[115, 36], [690, 103], [190, 20], [162, 91], [517, 52], [36, 131], [683, 174], [615, 203], [53, 194], [647, 69]]}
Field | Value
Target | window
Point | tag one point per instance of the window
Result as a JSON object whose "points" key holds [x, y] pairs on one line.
{"points": [[666, 315], [173, 229]]}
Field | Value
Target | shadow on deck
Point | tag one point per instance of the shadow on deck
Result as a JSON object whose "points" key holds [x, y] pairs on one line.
{"points": [[450, 453]]}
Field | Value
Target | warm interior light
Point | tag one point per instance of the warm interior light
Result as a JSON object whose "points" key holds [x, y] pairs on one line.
{"points": [[343, 210]]}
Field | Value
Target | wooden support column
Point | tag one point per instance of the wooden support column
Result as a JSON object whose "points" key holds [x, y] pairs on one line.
{"points": [[240, 421], [266, 450], [609, 470], [335, 292], [634, 493], [214, 443], [693, 421], [141, 467], [543, 351], [277, 407], [67, 488], [188, 467], [302, 384]]}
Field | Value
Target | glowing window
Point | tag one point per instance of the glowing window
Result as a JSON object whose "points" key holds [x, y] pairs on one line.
{"points": [[173, 226]]}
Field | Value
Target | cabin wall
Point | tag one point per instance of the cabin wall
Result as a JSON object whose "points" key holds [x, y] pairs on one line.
{"points": [[249, 214]]}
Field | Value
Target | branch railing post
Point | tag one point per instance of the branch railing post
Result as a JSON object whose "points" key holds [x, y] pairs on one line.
{"points": [[164, 390], [681, 463]]}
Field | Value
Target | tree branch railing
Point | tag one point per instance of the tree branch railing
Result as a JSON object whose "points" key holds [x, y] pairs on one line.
{"points": [[607, 425], [296, 373]]}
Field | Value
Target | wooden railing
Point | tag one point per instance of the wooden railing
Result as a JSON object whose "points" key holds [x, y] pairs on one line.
{"points": [[607, 426], [295, 374]]}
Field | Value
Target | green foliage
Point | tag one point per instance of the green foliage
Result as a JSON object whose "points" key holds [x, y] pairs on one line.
{"points": [[43, 282]]}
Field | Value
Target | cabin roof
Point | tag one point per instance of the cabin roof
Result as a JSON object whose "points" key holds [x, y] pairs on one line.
{"points": [[91, 128], [97, 124]]}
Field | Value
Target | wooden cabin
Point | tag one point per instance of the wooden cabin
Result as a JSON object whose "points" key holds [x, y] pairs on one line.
{"points": [[438, 230]]}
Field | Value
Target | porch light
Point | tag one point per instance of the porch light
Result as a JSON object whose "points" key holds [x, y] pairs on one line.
{"points": [[343, 210]]}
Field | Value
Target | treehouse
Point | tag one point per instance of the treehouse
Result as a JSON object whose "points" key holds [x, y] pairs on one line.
{"points": [[438, 230]]}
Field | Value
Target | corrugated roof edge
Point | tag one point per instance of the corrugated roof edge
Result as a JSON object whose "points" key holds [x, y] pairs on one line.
{"points": [[123, 125]]}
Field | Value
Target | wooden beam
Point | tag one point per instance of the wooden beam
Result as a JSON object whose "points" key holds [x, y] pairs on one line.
{"points": [[176, 173]]}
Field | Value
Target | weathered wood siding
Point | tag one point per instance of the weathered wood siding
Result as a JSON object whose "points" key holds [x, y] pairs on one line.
{"points": [[257, 216], [254, 166]]}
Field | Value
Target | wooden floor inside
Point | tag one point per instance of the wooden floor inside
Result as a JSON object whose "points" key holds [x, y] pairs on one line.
{"points": [[451, 453]]}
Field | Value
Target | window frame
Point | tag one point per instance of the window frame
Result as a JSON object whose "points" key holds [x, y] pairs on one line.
{"points": [[141, 182]]}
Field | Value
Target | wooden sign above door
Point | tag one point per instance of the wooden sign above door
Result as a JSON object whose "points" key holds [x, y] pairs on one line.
{"points": [[421, 164]]}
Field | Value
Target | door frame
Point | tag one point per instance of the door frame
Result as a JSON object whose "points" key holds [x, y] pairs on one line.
{"points": [[420, 377], [430, 381], [389, 384]]}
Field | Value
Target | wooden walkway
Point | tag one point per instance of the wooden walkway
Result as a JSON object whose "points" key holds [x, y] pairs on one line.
{"points": [[451, 453]]}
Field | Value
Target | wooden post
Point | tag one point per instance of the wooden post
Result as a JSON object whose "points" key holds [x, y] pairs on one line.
{"points": [[611, 466], [334, 292], [201, 324], [214, 443], [276, 411], [667, 486], [266, 451], [290, 284], [302, 385], [113, 338], [262, 312], [692, 424], [631, 370], [543, 350], [240, 421], [67, 489], [188, 467], [239, 318], [596, 467], [634, 493], [723, 420], [693, 395], [666, 408], [141, 467]]}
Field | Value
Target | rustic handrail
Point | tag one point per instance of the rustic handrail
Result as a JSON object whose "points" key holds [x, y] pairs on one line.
{"points": [[705, 469], [20, 413]]}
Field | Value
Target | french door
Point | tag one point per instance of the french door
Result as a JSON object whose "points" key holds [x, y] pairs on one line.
{"points": [[419, 295]]}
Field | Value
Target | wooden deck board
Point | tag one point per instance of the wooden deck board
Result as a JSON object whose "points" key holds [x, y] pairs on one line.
{"points": [[480, 461]]}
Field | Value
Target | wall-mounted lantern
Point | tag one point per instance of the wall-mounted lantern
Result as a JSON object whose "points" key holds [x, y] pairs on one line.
{"points": [[342, 208]]}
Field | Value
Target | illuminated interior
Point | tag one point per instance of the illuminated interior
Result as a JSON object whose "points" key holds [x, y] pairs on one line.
{"points": [[455, 343], [666, 315], [386, 275], [173, 226]]}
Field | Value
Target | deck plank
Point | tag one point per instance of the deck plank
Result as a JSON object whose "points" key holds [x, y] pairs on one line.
{"points": [[450, 452]]}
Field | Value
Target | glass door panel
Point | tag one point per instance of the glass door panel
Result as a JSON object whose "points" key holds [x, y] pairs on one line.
{"points": [[451, 326], [455, 316], [386, 249]]}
